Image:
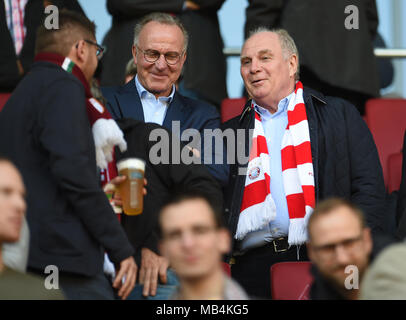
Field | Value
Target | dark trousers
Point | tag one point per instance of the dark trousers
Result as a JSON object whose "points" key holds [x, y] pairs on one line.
{"points": [[79, 287], [252, 269]]}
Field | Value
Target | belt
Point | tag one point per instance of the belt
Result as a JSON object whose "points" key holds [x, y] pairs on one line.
{"points": [[277, 246]]}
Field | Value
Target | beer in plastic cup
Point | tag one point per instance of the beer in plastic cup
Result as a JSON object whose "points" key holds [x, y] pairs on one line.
{"points": [[131, 190]]}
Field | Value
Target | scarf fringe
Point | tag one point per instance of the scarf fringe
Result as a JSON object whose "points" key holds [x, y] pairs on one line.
{"points": [[256, 217], [298, 229], [107, 134], [297, 232]]}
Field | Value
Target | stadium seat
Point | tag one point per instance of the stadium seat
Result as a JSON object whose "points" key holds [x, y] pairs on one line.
{"points": [[227, 269], [386, 118], [394, 171], [291, 280], [231, 108], [3, 99]]}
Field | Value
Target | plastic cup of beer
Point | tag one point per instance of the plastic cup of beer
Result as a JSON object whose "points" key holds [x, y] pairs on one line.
{"points": [[131, 190]]}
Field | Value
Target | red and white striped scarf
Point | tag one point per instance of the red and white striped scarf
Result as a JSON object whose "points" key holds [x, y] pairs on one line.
{"points": [[258, 208]]}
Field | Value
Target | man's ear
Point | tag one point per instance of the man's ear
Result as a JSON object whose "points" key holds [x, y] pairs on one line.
{"points": [[367, 238], [78, 52], [161, 248], [134, 51], [293, 65], [183, 59], [224, 240], [310, 251]]}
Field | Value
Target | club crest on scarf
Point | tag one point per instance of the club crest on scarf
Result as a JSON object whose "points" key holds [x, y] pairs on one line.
{"points": [[254, 173]]}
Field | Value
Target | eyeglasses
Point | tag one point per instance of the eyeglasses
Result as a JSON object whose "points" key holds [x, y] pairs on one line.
{"points": [[100, 49], [152, 56], [330, 249]]}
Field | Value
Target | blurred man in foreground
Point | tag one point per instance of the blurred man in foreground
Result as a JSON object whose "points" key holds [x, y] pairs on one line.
{"points": [[194, 239]]}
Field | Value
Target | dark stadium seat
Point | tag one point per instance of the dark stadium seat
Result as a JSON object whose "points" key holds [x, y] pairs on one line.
{"points": [[386, 118], [394, 171], [226, 268], [3, 99], [231, 108]]}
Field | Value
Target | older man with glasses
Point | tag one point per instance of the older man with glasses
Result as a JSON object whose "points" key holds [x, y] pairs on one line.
{"points": [[159, 52]]}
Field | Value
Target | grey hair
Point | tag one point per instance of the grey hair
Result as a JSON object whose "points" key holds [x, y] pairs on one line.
{"points": [[162, 18], [287, 44]]}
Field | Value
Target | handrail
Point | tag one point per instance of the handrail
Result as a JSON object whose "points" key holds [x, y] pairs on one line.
{"points": [[390, 52], [393, 53]]}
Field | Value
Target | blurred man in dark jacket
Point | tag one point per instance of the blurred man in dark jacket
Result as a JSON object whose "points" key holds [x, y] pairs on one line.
{"points": [[341, 247]]}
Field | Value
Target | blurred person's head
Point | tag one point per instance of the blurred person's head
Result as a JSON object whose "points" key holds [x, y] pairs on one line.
{"points": [[159, 51], [12, 202], [338, 237], [130, 70], [269, 66], [193, 237], [75, 38]]}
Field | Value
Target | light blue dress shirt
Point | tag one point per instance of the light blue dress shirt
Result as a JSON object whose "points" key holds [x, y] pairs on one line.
{"points": [[154, 109], [274, 128]]}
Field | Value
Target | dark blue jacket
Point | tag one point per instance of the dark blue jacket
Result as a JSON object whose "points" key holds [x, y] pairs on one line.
{"points": [[124, 102], [45, 131], [345, 158]]}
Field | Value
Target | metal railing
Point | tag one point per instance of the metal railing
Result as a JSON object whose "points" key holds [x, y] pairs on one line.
{"points": [[392, 53]]}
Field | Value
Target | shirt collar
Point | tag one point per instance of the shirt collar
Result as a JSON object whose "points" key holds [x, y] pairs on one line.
{"points": [[282, 107], [143, 92]]}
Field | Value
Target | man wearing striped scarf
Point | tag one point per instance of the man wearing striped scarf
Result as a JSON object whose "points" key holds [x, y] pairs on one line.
{"points": [[49, 129], [302, 146]]}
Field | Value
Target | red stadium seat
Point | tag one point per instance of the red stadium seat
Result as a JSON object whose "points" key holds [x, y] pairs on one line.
{"points": [[231, 108], [3, 99], [394, 171], [291, 280], [227, 269], [386, 118]]}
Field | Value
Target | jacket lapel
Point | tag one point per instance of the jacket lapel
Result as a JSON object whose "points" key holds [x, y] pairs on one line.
{"points": [[129, 102], [176, 111]]}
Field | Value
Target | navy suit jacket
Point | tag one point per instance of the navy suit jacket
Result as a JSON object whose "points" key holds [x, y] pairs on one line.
{"points": [[124, 102]]}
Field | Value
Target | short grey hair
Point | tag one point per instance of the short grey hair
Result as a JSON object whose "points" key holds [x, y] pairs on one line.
{"points": [[162, 18], [287, 44]]}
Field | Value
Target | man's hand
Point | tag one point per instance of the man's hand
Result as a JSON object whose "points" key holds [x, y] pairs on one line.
{"points": [[111, 189], [126, 277], [20, 67], [152, 265], [190, 5]]}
